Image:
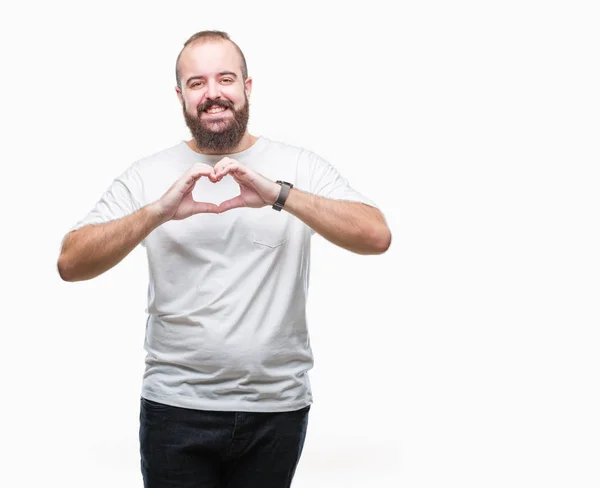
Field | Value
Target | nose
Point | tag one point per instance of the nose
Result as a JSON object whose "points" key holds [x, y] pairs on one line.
{"points": [[212, 90]]}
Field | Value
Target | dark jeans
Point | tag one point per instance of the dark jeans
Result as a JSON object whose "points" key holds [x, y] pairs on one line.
{"points": [[187, 448]]}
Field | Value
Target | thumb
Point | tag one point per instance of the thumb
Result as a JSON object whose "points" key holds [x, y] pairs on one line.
{"points": [[205, 207], [236, 202]]}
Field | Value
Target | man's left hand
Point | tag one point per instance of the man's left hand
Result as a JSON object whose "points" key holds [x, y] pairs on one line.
{"points": [[256, 191]]}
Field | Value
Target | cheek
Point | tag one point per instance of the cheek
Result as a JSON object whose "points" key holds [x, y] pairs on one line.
{"points": [[191, 103], [235, 96], [240, 102]]}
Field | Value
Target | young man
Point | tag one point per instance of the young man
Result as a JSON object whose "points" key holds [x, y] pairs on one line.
{"points": [[225, 395]]}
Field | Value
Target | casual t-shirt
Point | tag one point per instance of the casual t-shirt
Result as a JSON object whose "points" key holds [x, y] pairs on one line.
{"points": [[227, 293]]}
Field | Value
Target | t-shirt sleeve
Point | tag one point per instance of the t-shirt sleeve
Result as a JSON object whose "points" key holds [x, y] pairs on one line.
{"points": [[120, 199], [327, 182]]}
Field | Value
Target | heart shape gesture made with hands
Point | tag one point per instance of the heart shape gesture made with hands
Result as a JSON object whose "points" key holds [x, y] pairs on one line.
{"points": [[256, 191]]}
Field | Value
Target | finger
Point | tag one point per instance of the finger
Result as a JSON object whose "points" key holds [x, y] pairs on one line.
{"points": [[195, 173], [236, 202], [227, 168], [235, 170], [213, 177], [204, 207], [201, 169], [221, 164], [221, 172], [188, 184]]}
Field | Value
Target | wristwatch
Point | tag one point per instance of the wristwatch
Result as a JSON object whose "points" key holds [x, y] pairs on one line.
{"points": [[283, 194]]}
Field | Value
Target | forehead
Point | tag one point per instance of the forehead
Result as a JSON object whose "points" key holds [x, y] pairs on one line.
{"points": [[208, 58]]}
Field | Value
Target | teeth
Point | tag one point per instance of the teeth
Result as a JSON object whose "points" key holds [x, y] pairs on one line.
{"points": [[214, 110]]}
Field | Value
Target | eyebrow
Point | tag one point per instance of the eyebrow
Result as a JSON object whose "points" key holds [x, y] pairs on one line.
{"points": [[222, 73]]}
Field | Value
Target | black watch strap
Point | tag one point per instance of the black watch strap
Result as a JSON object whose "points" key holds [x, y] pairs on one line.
{"points": [[283, 194]]}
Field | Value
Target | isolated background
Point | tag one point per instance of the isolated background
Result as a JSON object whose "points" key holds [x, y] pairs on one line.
{"points": [[465, 356]]}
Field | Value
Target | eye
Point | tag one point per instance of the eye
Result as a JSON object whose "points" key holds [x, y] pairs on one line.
{"points": [[196, 84], [227, 80]]}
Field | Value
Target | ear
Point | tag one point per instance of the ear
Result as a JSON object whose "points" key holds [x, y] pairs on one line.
{"points": [[179, 95], [248, 86]]}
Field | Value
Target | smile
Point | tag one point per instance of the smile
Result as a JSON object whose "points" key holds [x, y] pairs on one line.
{"points": [[215, 110]]}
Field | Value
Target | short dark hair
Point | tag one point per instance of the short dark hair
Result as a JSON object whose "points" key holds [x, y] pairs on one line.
{"points": [[210, 35]]}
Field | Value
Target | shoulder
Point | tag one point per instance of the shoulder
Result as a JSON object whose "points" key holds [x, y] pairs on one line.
{"points": [[172, 154], [291, 150], [166, 164]]}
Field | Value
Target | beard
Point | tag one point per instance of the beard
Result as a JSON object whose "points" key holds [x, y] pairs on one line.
{"points": [[218, 135]]}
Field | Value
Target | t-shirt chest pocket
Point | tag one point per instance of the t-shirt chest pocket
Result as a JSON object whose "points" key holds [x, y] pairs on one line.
{"points": [[267, 228]]}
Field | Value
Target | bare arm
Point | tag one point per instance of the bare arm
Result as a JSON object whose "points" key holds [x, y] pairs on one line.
{"points": [[91, 250], [355, 226]]}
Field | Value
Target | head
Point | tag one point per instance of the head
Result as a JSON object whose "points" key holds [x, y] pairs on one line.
{"points": [[213, 87]]}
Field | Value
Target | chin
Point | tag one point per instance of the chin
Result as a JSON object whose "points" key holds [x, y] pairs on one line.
{"points": [[218, 127]]}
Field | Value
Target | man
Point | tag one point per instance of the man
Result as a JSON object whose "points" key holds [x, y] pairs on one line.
{"points": [[226, 395]]}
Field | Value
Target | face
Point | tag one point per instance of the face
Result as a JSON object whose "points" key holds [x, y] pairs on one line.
{"points": [[214, 95]]}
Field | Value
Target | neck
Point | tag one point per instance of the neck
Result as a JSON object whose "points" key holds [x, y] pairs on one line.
{"points": [[247, 141]]}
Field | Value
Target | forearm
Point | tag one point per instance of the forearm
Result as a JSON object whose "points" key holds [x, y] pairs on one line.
{"points": [[355, 226], [94, 249]]}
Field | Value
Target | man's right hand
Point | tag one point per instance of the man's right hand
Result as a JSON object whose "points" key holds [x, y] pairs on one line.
{"points": [[177, 203]]}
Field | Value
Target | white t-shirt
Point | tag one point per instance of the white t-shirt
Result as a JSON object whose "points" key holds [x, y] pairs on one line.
{"points": [[227, 294]]}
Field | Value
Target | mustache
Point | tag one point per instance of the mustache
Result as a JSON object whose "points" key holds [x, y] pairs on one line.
{"points": [[212, 103]]}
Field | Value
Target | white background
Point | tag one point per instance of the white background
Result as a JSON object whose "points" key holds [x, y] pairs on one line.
{"points": [[467, 355]]}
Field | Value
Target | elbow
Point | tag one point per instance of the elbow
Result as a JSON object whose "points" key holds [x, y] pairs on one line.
{"points": [[378, 240], [63, 269], [65, 264], [383, 240], [380, 235], [67, 267]]}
